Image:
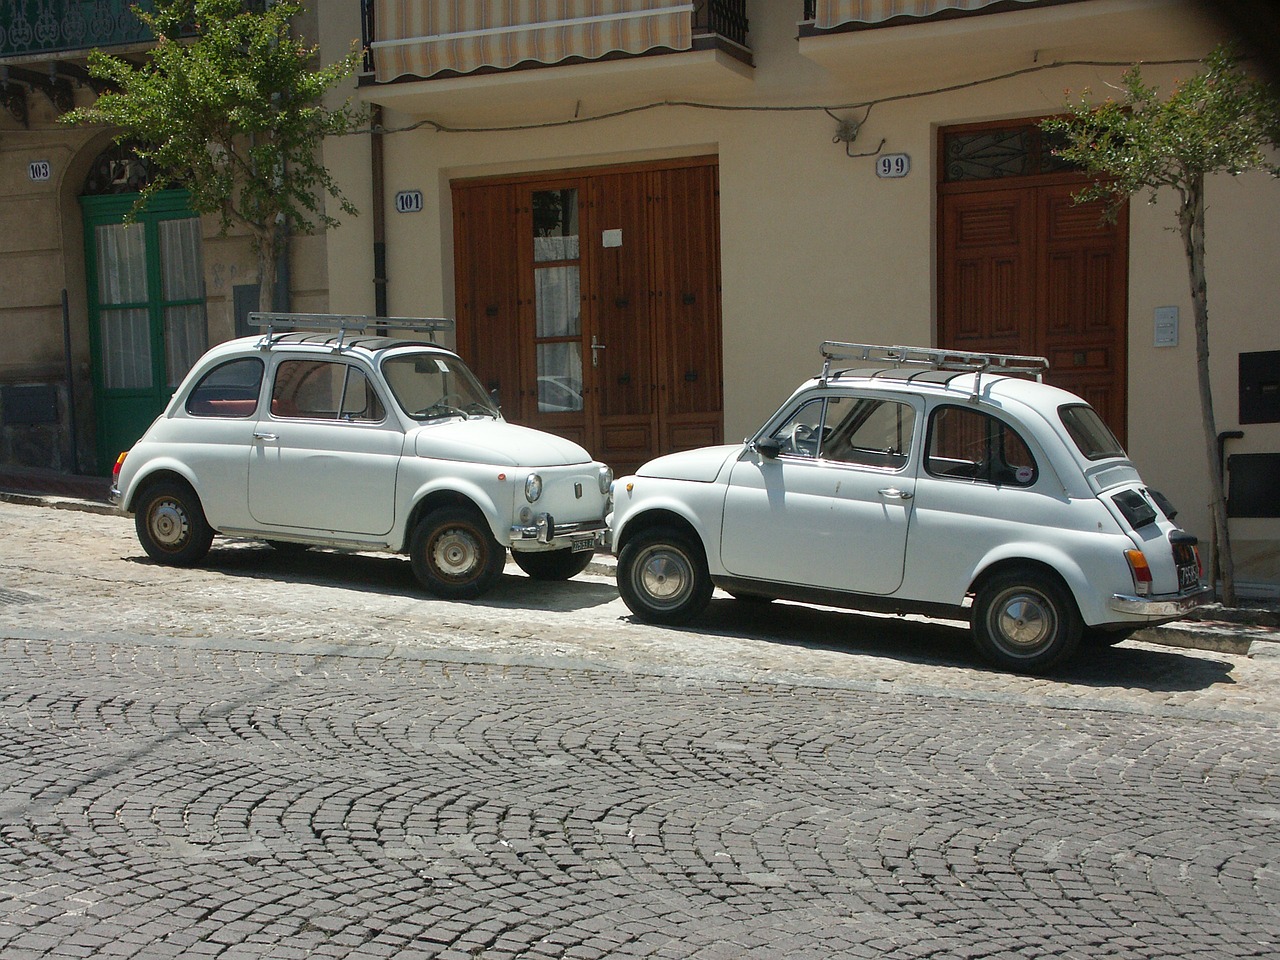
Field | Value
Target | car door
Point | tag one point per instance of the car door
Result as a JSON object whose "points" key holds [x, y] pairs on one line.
{"points": [[324, 457], [834, 507]]}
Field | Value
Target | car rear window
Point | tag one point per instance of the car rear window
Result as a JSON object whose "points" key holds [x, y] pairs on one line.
{"points": [[228, 390], [1093, 437]]}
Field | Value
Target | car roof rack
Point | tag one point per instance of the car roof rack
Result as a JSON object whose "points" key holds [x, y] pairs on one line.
{"points": [[277, 324], [934, 358]]}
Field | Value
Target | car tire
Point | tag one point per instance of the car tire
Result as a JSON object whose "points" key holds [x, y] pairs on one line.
{"points": [[454, 555], [1025, 620], [552, 564], [663, 577], [171, 524]]}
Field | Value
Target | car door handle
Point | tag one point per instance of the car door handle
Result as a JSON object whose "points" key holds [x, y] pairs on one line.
{"points": [[893, 493], [270, 437]]}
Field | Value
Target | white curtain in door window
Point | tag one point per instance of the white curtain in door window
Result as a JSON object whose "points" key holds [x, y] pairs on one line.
{"points": [[125, 334], [423, 37], [833, 13], [182, 278]]}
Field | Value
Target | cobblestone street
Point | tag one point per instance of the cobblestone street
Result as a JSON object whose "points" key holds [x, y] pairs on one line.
{"points": [[283, 757]]}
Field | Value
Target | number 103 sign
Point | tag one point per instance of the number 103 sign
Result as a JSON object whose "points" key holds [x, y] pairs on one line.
{"points": [[893, 165]]}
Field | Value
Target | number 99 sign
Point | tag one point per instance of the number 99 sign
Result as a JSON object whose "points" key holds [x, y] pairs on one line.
{"points": [[890, 166]]}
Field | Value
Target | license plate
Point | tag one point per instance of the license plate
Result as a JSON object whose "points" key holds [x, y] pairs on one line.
{"points": [[583, 544], [1188, 576]]}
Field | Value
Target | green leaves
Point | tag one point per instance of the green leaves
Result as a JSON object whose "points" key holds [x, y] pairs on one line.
{"points": [[228, 105], [1219, 120]]}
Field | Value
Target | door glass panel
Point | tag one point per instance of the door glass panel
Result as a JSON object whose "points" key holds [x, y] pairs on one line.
{"points": [[126, 349], [555, 225], [184, 339], [122, 263], [559, 304], [180, 261], [559, 377]]}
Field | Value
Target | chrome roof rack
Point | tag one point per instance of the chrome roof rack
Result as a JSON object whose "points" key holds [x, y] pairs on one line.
{"points": [[934, 358], [279, 323]]}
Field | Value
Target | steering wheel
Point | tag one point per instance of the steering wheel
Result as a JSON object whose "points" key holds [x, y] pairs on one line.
{"points": [[450, 404], [801, 435]]}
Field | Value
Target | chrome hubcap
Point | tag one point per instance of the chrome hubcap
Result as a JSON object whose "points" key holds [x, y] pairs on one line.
{"points": [[1025, 619], [664, 575], [456, 553], [168, 524]]}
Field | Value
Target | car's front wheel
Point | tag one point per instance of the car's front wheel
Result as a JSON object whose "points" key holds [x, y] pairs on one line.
{"points": [[1025, 620], [663, 577], [454, 555], [171, 524], [552, 564]]}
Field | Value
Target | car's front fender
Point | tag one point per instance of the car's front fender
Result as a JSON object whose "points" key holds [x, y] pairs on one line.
{"points": [[641, 501]]}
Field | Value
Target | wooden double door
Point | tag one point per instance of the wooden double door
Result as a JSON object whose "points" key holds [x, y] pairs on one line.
{"points": [[1024, 269], [590, 301]]}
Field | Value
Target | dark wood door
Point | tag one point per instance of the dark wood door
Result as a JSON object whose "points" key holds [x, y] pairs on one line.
{"points": [[1026, 270], [592, 302]]}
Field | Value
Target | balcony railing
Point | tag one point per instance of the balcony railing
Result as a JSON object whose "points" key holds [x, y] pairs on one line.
{"points": [[35, 28], [713, 21]]}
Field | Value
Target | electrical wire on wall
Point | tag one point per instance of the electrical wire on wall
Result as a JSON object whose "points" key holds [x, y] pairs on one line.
{"points": [[850, 131]]}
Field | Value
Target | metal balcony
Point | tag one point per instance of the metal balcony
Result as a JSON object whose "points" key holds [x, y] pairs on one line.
{"points": [[37, 29]]}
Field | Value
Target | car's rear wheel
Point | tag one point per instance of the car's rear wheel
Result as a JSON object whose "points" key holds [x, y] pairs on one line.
{"points": [[1025, 620], [171, 524], [663, 577], [552, 564], [454, 555]]}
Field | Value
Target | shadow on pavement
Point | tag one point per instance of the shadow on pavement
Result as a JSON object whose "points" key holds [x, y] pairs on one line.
{"points": [[946, 643], [389, 575]]}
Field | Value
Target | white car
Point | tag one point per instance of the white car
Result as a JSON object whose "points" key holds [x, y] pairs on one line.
{"points": [[936, 482], [360, 441]]}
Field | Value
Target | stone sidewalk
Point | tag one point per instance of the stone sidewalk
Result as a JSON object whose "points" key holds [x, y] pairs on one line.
{"points": [[1241, 630]]}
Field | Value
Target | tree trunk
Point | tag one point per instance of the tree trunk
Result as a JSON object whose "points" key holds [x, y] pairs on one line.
{"points": [[1191, 223], [267, 243]]}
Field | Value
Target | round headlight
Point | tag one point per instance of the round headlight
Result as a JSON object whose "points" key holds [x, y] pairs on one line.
{"points": [[606, 479], [532, 488]]}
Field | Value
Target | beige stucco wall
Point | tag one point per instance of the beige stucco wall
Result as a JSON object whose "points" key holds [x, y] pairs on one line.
{"points": [[814, 245]]}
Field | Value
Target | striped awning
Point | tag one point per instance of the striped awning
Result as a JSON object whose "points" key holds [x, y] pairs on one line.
{"points": [[833, 13], [424, 37]]}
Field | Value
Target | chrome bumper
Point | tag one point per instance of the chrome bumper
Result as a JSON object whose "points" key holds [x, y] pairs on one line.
{"points": [[544, 529], [113, 496], [1168, 606]]}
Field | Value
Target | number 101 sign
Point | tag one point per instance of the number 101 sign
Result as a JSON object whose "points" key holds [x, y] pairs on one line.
{"points": [[893, 165]]}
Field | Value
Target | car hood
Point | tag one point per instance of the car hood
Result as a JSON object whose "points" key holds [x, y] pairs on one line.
{"points": [[701, 465], [495, 441]]}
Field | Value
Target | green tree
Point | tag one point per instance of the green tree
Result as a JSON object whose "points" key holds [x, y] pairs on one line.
{"points": [[1220, 120], [228, 104]]}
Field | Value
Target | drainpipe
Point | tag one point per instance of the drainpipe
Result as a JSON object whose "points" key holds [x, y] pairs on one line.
{"points": [[378, 181]]}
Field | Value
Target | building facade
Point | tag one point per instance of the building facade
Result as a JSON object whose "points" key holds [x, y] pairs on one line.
{"points": [[100, 318], [647, 214]]}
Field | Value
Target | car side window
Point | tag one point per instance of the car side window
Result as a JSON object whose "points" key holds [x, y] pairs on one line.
{"points": [[324, 390], [869, 432], [230, 389], [966, 444], [799, 433]]}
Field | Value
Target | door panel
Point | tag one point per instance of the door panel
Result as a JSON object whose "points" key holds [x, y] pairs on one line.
{"points": [[1026, 270], [636, 370]]}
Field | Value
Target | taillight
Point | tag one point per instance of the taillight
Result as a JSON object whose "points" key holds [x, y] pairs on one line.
{"points": [[115, 471], [1140, 570]]}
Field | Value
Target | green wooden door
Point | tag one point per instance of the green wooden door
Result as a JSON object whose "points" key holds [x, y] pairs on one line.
{"points": [[146, 310]]}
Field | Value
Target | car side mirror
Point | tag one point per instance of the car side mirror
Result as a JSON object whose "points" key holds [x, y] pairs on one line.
{"points": [[768, 447]]}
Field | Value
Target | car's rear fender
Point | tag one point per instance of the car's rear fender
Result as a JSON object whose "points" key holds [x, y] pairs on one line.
{"points": [[1108, 572], [156, 469]]}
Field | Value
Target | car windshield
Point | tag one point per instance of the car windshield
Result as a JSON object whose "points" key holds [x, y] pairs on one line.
{"points": [[431, 386], [1091, 435]]}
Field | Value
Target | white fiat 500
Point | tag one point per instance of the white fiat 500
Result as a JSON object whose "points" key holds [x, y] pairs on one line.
{"points": [[944, 483], [360, 442]]}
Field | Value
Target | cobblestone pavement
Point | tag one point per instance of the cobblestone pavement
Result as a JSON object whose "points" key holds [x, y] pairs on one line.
{"points": [[287, 757]]}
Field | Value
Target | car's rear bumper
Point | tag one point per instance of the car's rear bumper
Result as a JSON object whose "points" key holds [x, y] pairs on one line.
{"points": [[1168, 606]]}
